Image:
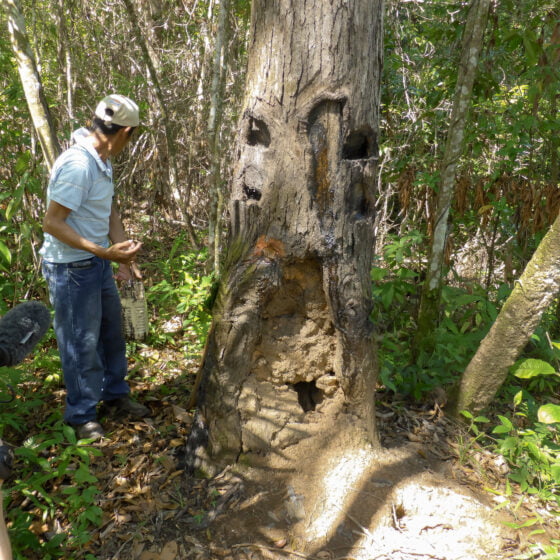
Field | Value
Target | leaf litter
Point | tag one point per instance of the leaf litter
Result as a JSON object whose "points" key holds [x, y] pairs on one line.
{"points": [[441, 502]]}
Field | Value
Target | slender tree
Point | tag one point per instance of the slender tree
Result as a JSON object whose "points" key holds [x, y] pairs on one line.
{"points": [[151, 64], [31, 81], [214, 123], [519, 317], [470, 53], [65, 58]]}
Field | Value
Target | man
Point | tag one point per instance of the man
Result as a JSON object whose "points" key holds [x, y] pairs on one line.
{"points": [[83, 234], [6, 458]]}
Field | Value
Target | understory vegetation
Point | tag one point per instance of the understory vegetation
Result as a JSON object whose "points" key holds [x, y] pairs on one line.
{"points": [[523, 425], [55, 499]]}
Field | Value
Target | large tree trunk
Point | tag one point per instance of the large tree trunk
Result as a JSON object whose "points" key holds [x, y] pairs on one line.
{"points": [[533, 293], [428, 314], [31, 81], [291, 332]]}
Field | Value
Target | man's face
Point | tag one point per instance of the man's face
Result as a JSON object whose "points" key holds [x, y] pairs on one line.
{"points": [[120, 140]]}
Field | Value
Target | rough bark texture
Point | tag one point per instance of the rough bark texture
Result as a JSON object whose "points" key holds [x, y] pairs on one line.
{"points": [[533, 293], [31, 82], [471, 49], [291, 333]]}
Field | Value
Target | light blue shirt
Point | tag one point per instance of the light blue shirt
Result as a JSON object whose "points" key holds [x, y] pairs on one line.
{"points": [[82, 182]]}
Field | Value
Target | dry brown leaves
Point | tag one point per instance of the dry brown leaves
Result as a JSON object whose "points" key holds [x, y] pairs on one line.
{"points": [[142, 483], [140, 477], [536, 203]]}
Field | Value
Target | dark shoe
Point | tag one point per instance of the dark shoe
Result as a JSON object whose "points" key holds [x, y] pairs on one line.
{"points": [[126, 405], [6, 460], [90, 430]]}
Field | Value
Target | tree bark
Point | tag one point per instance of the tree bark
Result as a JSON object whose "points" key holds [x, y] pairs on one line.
{"points": [[31, 82], [428, 314], [533, 293], [291, 331]]}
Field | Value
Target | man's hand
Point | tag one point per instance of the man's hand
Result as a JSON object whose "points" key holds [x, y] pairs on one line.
{"points": [[124, 252]]}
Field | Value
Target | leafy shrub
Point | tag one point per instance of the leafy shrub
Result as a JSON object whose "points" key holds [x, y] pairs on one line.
{"points": [[52, 496], [182, 290], [54, 475], [466, 315]]}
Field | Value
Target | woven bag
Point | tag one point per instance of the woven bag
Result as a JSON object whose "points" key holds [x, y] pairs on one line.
{"points": [[134, 310]]}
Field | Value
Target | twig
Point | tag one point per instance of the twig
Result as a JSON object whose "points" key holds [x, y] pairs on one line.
{"points": [[408, 552], [396, 523], [271, 549], [117, 554], [363, 529]]}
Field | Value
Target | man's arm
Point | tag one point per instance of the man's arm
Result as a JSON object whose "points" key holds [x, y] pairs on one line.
{"points": [[116, 229], [122, 251], [127, 271]]}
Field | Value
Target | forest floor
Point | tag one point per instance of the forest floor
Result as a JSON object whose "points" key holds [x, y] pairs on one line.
{"points": [[431, 492]]}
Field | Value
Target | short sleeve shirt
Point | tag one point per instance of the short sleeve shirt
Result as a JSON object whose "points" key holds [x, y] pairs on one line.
{"points": [[82, 182]]}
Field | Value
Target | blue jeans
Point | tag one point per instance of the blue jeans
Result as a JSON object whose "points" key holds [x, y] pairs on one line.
{"points": [[87, 325]]}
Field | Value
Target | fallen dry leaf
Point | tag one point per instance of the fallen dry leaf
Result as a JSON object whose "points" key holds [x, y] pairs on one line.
{"points": [[169, 552]]}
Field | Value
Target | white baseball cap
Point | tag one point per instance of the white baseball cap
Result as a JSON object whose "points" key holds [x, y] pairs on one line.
{"points": [[118, 109]]}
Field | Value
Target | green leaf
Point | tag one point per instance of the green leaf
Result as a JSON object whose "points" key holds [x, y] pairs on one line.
{"points": [[529, 368], [505, 427], [508, 444], [531, 49], [22, 162], [12, 208], [536, 453], [501, 430], [388, 295], [528, 523], [5, 253], [69, 434], [549, 413], [83, 475], [378, 274]]}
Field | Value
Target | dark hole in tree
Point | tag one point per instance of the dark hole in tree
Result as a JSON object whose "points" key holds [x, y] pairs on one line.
{"points": [[358, 200], [258, 133], [309, 395], [252, 194], [357, 146], [363, 207]]}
